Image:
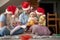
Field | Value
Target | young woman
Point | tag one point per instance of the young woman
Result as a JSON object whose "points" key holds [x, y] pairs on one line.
{"points": [[12, 17]]}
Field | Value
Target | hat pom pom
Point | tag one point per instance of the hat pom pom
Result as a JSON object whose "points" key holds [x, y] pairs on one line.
{"points": [[44, 15], [12, 16]]}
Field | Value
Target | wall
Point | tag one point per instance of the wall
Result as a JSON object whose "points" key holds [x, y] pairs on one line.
{"points": [[57, 5]]}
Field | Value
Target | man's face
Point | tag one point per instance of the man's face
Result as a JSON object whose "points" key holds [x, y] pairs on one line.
{"points": [[27, 11]]}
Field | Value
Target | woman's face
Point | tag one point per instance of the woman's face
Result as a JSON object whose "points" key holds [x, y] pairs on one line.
{"points": [[9, 15]]}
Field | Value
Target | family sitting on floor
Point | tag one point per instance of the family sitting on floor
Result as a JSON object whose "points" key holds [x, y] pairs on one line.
{"points": [[14, 23]]}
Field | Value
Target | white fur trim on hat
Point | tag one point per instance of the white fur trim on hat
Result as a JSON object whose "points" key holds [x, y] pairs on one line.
{"points": [[44, 15], [12, 16], [26, 8], [38, 12], [8, 12], [32, 13]]}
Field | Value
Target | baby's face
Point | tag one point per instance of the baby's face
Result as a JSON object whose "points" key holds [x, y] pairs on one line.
{"points": [[32, 15]]}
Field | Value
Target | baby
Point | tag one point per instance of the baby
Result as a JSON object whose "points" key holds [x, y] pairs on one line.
{"points": [[32, 19], [40, 28]]}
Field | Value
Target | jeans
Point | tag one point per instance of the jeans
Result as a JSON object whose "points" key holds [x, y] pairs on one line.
{"points": [[19, 31], [4, 31]]}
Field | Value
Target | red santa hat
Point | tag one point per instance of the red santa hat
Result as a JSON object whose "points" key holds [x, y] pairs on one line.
{"points": [[26, 6], [12, 10], [40, 11]]}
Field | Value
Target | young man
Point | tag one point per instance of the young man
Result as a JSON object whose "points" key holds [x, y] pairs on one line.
{"points": [[25, 14]]}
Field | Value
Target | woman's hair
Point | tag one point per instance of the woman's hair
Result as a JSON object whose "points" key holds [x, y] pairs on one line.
{"points": [[8, 19]]}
